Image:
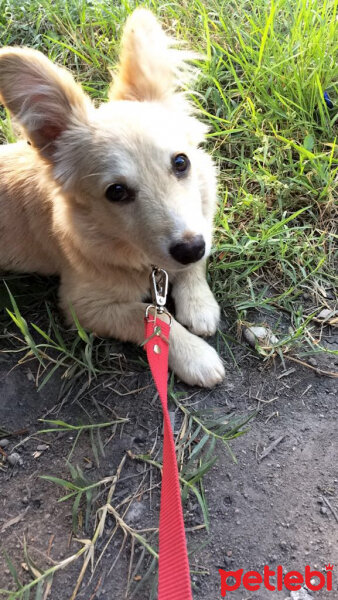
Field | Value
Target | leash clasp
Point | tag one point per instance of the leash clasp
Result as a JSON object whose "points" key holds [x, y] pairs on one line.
{"points": [[159, 288], [159, 281]]}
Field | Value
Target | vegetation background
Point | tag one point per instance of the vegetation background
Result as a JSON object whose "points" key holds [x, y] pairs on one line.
{"points": [[268, 91]]}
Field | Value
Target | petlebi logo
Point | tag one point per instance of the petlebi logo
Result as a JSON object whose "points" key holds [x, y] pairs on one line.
{"points": [[291, 581]]}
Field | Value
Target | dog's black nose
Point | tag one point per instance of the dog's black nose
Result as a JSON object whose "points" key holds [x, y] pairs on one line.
{"points": [[188, 251]]}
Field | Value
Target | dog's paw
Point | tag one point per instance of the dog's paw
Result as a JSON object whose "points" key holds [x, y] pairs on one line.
{"points": [[200, 313], [196, 363]]}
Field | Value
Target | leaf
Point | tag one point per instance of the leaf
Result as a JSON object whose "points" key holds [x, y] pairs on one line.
{"points": [[200, 445], [82, 333], [12, 569], [199, 472], [267, 27], [309, 142], [66, 484], [75, 511]]}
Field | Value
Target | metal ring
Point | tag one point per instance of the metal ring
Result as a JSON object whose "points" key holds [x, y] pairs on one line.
{"points": [[163, 312]]}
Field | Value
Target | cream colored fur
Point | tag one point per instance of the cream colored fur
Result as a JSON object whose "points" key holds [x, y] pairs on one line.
{"points": [[55, 218]]}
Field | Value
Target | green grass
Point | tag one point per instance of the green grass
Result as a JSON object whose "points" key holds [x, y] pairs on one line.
{"points": [[271, 132], [274, 139]]}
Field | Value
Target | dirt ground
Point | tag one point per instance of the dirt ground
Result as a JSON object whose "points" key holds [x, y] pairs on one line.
{"points": [[277, 509]]}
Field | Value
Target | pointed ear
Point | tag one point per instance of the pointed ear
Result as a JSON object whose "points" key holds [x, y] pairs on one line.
{"points": [[44, 98], [150, 68]]}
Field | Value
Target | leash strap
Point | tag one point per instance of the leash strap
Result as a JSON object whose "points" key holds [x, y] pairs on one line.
{"points": [[174, 576]]}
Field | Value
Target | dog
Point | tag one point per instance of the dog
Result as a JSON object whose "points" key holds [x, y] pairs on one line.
{"points": [[99, 194]]}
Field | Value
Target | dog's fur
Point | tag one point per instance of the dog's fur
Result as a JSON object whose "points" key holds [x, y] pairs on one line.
{"points": [[55, 218]]}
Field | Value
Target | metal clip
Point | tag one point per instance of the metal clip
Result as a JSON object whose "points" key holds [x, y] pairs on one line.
{"points": [[159, 288], [163, 312]]}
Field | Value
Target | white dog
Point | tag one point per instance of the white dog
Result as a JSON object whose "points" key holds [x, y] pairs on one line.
{"points": [[101, 194]]}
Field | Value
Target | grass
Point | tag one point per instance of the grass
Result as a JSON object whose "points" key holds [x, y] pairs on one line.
{"points": [[273, 136], [195, 441], [271, 132]]}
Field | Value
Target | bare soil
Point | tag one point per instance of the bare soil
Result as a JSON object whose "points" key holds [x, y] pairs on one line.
{"points": [[278, 509]]}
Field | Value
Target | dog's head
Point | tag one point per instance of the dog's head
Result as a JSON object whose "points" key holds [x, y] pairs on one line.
{"points": [[130, 171]]}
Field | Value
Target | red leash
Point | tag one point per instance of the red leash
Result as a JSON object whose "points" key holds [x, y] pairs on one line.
{"points": [[174, 577]]}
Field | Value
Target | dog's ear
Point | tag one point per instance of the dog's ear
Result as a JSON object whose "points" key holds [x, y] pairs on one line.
{"points": [[149, 68], [44, 98]]}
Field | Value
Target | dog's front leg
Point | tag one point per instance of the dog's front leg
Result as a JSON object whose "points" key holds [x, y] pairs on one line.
{"points": [[191, 358], [195, 304]]}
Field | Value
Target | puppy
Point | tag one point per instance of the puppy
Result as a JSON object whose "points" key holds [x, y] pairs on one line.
{"points": [[101, 194]]}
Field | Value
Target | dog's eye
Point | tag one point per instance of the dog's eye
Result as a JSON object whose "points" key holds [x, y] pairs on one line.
{"points": [[117, 192], [181, 164]]}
